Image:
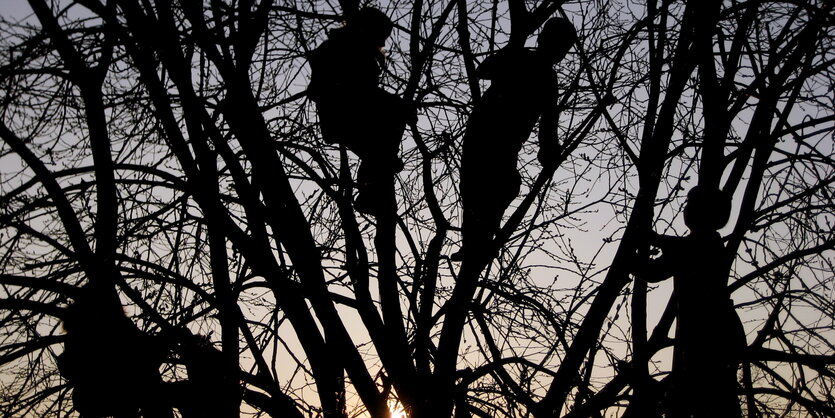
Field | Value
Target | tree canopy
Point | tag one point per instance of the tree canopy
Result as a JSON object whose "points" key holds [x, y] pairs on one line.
{"points": [[164, 183]]}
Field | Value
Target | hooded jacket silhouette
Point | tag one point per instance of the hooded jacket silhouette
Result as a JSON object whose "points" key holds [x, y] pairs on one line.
{"points": [[353, 109]]}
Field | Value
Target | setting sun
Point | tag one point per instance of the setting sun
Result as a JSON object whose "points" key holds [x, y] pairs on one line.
{"points": [[397, 410]]}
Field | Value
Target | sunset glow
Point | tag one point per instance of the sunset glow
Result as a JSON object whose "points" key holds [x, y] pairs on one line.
{"points": [[397, 410]]}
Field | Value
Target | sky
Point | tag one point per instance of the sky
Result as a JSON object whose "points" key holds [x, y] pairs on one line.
{"points": [[14, 9]]}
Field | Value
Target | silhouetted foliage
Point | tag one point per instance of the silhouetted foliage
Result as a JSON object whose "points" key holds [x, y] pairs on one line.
{"points": [[203, 211]]}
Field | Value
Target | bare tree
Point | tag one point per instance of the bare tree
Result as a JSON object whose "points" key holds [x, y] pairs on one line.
{"points": [[179, 240]]}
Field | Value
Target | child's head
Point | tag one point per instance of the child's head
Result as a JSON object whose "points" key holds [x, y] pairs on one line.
{"points": [[371, 25], [707, 209], [557, 37]]}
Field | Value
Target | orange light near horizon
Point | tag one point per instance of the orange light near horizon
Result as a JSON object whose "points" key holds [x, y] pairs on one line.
{"points": [[396, 409]]}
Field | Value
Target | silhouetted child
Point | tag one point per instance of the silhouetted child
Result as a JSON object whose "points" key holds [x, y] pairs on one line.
{"points": [[709, 336], [111, 365], [353, 110], [523, 90]]}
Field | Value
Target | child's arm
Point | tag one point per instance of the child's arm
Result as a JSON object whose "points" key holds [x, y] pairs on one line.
{"points": [[654, 270], [496, 64]]}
